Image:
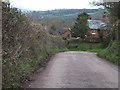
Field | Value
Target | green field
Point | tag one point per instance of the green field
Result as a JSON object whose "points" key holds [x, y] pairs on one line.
{"points": [[92, 47]]}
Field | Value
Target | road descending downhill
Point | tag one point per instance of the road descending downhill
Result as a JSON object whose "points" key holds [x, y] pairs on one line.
{"points": [[75, 69]]}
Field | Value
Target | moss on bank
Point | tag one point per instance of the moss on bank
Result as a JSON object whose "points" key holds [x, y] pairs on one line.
{"points": [[111, 53]]}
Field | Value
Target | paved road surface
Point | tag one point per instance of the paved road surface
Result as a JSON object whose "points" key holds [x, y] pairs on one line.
{"points": [[77, 70]]}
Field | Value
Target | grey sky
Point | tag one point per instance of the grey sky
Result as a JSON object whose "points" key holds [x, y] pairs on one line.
{"points": [[52, 4]]}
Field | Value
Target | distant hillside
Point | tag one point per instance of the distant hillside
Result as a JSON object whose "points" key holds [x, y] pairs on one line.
{"points": [[59, 12], [61, 18], [63, 14], [98, 14]]}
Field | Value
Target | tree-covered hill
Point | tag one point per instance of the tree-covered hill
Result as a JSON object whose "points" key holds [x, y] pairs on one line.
{"points": [[61, 18], [63, 14]]}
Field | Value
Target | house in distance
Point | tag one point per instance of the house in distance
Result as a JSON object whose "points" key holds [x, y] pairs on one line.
{"points": [[97, 28], [65, 33]]}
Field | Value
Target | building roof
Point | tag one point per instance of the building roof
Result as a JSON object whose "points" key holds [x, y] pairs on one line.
{"points": [[97, 24], [62, 30]]}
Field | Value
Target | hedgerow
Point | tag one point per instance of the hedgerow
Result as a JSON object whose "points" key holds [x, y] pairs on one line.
{"points": [[25, 46]]}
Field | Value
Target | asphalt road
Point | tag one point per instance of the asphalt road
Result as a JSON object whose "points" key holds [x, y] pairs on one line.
{"points": [[76, 70]]}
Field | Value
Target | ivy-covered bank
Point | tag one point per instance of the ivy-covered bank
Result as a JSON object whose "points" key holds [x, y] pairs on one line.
{"points": [[111, 53], [25, 46]]}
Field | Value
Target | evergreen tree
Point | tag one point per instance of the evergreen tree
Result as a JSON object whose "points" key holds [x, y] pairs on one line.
{"points": [[80, 27]]}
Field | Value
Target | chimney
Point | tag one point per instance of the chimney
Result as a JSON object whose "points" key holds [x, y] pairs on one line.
{"points": [[104, 17], [89, 17]]}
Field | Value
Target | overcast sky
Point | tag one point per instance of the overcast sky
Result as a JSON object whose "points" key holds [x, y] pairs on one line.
{"points": [[52, 4]]}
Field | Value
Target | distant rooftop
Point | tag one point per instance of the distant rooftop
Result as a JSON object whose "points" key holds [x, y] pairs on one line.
{"points": [[96, 24]]}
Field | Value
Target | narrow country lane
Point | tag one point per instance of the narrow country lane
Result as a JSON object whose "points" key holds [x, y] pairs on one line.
{"points": [[76, 70]]}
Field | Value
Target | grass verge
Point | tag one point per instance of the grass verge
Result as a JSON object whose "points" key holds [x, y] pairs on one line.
{"points": [[110, 53], [92, 47]]}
